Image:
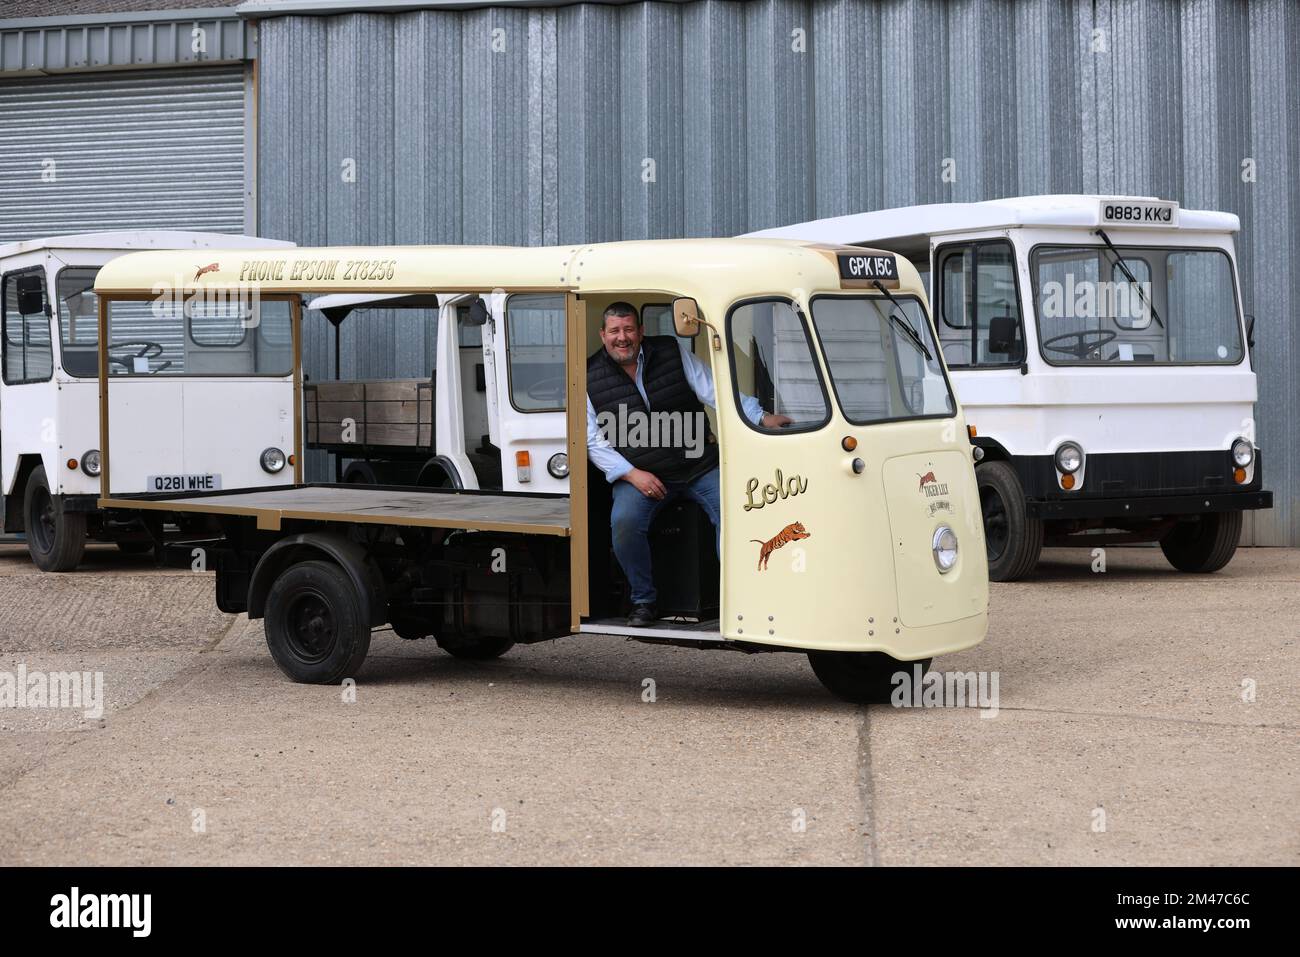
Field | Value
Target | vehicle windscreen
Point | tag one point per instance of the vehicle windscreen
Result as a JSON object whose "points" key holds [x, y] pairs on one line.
{"points": [[1135, 304], [883, 359], [215, 334]]}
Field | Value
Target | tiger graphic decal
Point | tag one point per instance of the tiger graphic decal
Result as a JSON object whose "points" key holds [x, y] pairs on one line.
{"points": [[791, 533]]}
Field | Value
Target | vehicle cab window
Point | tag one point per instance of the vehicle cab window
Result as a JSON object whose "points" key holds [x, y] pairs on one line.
{"points": [[28, 349], [978, 304], [535, 349], [772, 361]]}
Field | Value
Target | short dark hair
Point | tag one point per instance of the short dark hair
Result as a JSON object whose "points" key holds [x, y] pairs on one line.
{"points": [[620, 309]]}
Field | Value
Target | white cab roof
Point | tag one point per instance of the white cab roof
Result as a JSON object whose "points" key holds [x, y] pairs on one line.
{"points": [[1083, 210], [142, 239]]}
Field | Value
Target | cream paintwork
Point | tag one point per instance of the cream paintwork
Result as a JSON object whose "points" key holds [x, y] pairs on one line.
{"points": [[860, 569]]}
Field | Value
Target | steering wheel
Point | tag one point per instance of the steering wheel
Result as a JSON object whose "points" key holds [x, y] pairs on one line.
{"points": [[149, 350], [1081, 346], [544, 390]]}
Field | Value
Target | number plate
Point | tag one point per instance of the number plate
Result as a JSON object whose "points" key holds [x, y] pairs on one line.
{"points": [[883, 268], [183, 483], [1138, 213]]}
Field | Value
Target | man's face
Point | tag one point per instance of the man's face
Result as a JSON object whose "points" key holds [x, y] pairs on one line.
{"points": [[622, 338]]}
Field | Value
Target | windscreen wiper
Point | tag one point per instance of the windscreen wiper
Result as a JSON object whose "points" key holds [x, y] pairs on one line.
{"points": [[1137, 285], [900, 320]]}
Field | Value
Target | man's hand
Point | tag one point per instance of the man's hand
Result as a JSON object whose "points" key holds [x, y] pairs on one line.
{"points": [[646, 483], [773, 421]]}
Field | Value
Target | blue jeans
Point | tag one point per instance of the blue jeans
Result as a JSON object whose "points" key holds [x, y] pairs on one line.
{"points": [[630, 519]]}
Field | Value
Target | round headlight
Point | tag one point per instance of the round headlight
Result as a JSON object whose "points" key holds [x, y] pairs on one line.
{"points": [[944, 545], [558, 465], [90, 463], [1243, 453], [1068, 458], [273, 460]]}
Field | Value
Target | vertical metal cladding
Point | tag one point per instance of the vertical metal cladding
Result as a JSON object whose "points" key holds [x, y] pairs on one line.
{"points": [[535, 125]]}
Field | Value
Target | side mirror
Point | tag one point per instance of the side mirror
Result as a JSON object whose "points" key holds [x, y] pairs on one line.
{"points": [[1250, 331], [31, 294], [1002, 334], [686, 317], [478, 312]]}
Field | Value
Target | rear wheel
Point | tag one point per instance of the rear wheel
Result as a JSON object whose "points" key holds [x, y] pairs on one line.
{"points": [[476, 648], [862, 677], [316, 629], [1012, 538], [1205, 545], [56, 539]]}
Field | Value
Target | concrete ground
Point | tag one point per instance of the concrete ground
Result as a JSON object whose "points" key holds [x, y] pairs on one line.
{"points": [[1127, 733]]}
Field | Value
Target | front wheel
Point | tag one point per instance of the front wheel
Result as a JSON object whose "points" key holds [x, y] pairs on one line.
{"points": [[315, 626], [1013, 539], [861, 677], [56, 539], [1205, 545], [476, 648]]}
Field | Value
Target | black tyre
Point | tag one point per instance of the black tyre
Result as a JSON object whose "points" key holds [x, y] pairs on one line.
{"points": [[1205, 545], [315, 625], [862, 677], [56, 539], [1013, 539], [134, 548], [476, 648]]}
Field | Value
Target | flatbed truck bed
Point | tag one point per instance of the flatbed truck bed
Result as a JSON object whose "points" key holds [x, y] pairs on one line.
{"points": [[533, 514]]}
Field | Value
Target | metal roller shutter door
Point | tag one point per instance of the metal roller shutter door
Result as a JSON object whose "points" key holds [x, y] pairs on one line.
{"points": [[147, 149]]}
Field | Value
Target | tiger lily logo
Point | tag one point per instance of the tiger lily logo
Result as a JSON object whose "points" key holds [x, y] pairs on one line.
{"points": [[210, 267], [930, 486]]}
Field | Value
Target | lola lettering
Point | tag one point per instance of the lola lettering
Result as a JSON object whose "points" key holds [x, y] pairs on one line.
{"points": [[782, 488]]}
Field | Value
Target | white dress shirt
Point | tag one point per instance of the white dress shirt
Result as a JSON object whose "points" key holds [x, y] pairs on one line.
{"points": [[609, 460]]}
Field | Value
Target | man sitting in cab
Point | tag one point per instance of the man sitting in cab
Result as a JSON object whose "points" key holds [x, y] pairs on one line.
{"points": [[648, 432]]}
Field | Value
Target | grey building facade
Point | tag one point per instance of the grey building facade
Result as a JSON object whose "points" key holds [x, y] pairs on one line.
{"points": [[406, 122]]}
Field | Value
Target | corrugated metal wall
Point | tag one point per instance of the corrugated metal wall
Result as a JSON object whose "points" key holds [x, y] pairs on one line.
{"points": [[539, 125], [147, 149]]}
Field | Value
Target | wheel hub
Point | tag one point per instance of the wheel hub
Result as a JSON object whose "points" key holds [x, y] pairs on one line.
{"points": [[312, 630]]}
